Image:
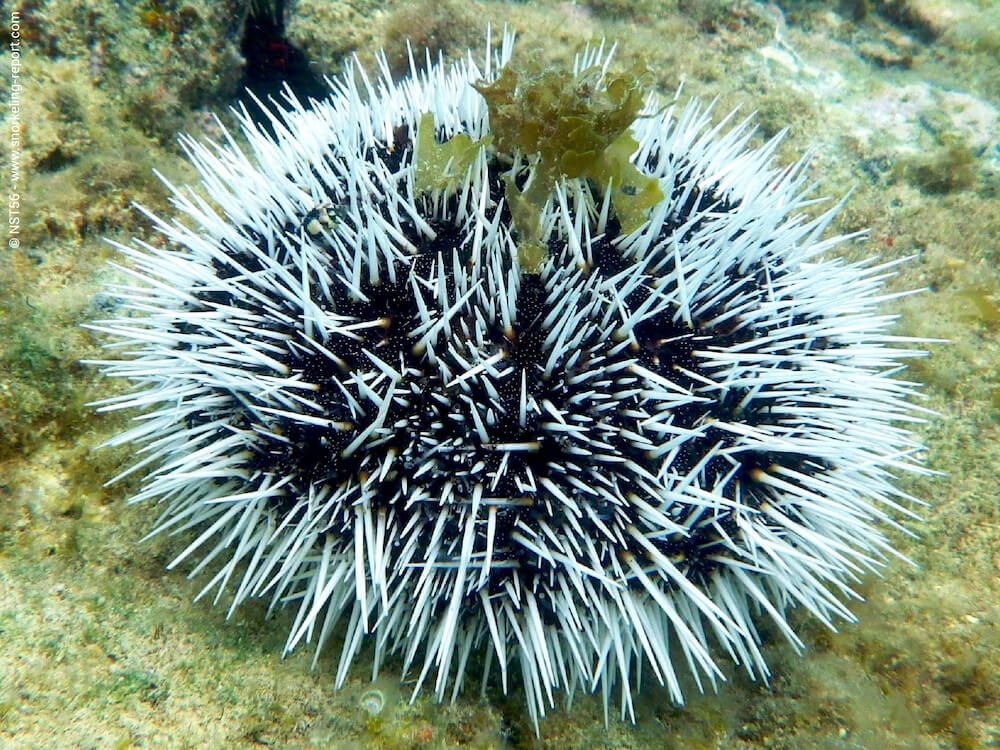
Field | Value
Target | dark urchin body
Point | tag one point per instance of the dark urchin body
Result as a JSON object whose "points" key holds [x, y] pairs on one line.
{"points": [[362, 402]]}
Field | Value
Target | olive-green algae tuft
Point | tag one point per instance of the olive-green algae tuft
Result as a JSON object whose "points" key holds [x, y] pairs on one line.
{"points": [[567, 125], [441, 167], [573, 125]]}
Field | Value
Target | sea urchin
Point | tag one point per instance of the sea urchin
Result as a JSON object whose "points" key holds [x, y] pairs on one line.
{"points": [[513, 365]]}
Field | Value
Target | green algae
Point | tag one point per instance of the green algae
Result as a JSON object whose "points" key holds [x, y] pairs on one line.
{"points": [[441, 167], [567, 125]]}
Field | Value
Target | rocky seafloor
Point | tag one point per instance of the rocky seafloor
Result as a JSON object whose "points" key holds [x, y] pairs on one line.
{"points": [[100, 647]]}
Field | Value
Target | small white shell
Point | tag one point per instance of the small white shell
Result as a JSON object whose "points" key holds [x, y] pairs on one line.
{"points": [[373, 701]]}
